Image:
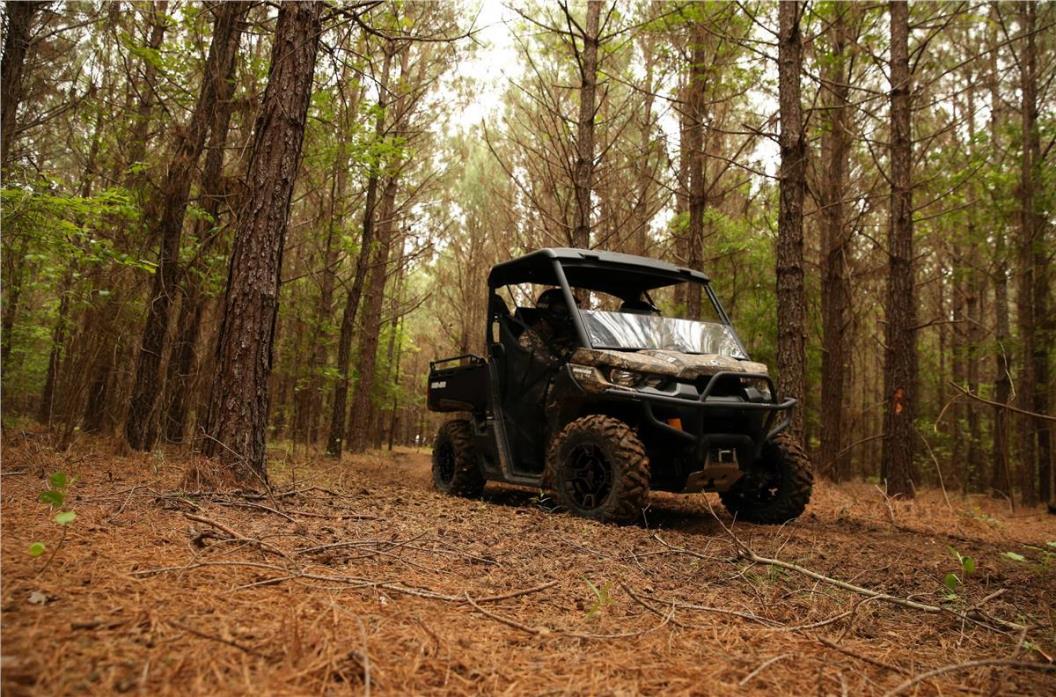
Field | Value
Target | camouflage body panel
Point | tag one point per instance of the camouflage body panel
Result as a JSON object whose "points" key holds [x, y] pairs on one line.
{"points": [[545, 344], [681, 366]]}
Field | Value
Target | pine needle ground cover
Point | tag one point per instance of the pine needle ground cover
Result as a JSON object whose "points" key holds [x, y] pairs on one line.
{"points": [[354, 576]]}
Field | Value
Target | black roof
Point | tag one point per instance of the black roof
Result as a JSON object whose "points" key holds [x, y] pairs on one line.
{"points": [[622, 275]]}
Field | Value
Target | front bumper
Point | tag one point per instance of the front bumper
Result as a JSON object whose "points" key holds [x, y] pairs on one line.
{"points": [[706, 423]]}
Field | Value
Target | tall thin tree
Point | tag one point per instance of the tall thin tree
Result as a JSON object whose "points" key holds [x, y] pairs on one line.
{"points": [[835, 291], [141, 427], [900, 348], [339, 404], [238, 408], [791, 297], [584, 169], [20, 17]]}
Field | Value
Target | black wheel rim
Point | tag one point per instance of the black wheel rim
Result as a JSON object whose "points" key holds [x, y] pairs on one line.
{"points": [[589, 477], [445, 463], [765, 486]]}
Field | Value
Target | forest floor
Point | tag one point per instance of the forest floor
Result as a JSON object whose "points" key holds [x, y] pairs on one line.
{"points": [[357, 577]]}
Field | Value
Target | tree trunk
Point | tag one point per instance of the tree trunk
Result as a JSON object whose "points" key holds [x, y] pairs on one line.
{"points": [[348, 318], [395, 348], [959, 349], [1033, 300], [105, 323], [141, 427], [645, 176], [312, 402], [182, 368], [999, 473], [141, 123], [835, 300], [900, 349], [238, 407], [16, 44], [1000, 476], [58, 341], [584, 170], [13, 290], [696, 108], [1026, 302], [362, 407], [791, 297]]}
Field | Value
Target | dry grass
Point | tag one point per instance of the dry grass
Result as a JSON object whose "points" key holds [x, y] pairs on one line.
{"points": [[367, 581]]}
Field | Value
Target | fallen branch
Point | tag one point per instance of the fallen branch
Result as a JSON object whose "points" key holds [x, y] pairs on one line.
{"points": [[235, 535], [872, 661], [241, 647], [354, 581], [536, 631], [547, 631], [1001, 405], [762, 666], [974, 616], [1044, 667], [250, 504]]}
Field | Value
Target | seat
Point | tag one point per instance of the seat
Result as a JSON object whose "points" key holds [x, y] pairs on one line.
{"points": [[639, 307]]}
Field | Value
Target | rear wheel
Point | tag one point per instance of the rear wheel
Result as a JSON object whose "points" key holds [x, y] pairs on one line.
{"points": [[456, 463], [598, 469], [777, 489]]}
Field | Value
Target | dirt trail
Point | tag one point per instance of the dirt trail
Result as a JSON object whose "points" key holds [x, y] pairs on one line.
{"points": [[358, 577]]}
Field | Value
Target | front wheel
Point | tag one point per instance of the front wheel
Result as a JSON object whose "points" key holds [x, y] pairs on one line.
{"points": [[777, 489], [598, 469], [456, 463]]}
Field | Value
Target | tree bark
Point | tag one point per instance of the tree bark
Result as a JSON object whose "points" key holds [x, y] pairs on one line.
{"points": [[900, 349], [58, 342], [141, 427], [835, 291], [362, 407], [20, 16], [791, 297], [104, 320], [1025, 310], [145, 109], [182, 368], [645, 175], [335, 441], [584, 169], [697, 202], [238, 407], [310, 402], [1033, 288], [16, 45]]}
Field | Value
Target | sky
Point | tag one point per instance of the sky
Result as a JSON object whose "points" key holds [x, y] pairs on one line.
{"points": [[496, 60], [493, 63]]}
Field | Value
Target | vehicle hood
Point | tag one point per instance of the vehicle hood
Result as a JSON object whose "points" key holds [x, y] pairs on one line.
{"points": [[683, 366]]}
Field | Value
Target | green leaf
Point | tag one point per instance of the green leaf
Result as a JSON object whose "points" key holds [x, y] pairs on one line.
{"points": [[951, 581], [65, 518], [36, 549], [58, 480], [52, 498], [1014, 556], [968, 564]]}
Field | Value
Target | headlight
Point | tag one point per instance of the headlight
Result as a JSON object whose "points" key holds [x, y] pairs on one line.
{"points": [[757, 389], [629, 378], [625, 378]]}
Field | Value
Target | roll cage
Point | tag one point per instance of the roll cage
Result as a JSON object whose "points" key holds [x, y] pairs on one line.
{"points": [[624, 276]]}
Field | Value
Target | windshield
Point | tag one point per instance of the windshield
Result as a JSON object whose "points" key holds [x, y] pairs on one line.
{"points": [[623, 330]]}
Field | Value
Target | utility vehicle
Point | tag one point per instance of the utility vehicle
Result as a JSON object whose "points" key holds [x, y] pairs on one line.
{"points": [[614, 397]]}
